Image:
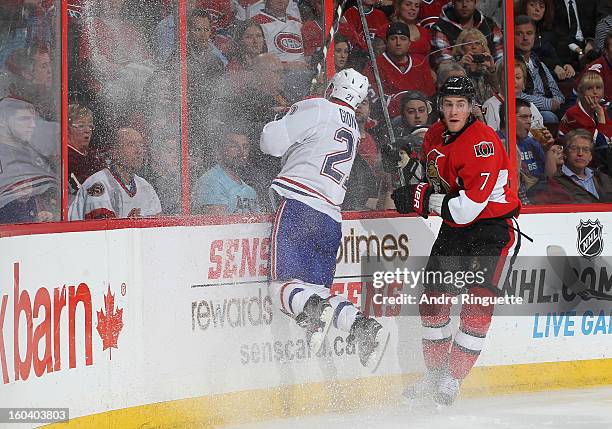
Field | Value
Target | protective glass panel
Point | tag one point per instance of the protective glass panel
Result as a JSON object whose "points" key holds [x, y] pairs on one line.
{"points": [[29, 112], [124, 112], [563, 102]]}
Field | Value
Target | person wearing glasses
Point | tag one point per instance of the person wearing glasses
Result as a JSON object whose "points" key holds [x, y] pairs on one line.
{"points": [[80, 163], [581, 183]]}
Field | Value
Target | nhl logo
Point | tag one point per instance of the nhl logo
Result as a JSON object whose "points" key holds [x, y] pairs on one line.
{"points": [[590, 240]]}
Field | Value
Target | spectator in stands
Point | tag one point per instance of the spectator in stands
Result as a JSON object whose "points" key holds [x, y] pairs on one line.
{"points": [[400, 71], [166, 31], [117, 58], [117, 191], [342, 51], [574, 29], [430, 11], [543, 14], [248, 42], [31, 80], [283, 34], [312, 31], [362, 183], [603, 66], [249, 9], [204, 66], [414, 112], [201, 47], [158, 120], [376, 19], [533, 158], [460, 15], [589, 113], [477, 61], [221, 190], [540, 86], [492, 106], [577, 180], [81, 164], [28, 178], [407, 11], [367, 149]]}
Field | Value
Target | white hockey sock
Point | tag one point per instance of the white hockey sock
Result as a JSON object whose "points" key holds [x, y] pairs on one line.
{"points": [[291, 295], [344, 313]]}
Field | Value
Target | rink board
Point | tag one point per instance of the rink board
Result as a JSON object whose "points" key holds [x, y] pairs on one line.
{"points": [[172, 326]]}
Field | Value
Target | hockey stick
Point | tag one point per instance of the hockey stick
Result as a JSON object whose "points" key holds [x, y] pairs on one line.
{"points": [[366, 35], [328, 40], [568, 274]]}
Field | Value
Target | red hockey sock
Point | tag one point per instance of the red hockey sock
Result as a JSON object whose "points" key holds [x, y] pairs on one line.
{"points": [[437, 335], [469, 341]]}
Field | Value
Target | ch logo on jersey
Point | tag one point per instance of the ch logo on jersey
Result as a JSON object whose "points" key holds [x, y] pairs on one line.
{"points": [[289, 42], [484, 149], [440, 185]]}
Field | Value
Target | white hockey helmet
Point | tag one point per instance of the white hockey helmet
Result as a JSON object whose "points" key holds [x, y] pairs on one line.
{"points": [[349, 86]]}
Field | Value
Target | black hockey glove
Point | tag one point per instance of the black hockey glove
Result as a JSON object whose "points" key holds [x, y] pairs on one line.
{"points": [[390, 158], [413, 198]]}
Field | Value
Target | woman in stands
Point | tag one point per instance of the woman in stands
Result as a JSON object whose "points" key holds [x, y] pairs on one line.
{"points": [[407, 11], [543, 13]]}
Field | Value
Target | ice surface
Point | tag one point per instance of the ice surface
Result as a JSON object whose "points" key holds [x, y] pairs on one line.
{"points": [[563, 409]]}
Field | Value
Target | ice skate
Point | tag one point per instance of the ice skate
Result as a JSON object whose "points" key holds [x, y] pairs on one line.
{"points": [[371, 339], [447, 391], [423, 390], [316, 319]]}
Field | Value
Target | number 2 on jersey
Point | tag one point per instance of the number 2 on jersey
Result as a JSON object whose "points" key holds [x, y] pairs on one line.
{"points": [[330, 162]]}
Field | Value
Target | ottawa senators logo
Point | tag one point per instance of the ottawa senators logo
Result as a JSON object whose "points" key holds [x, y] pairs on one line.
{"points": [[96, 190], [440, 185], [484, 149]]}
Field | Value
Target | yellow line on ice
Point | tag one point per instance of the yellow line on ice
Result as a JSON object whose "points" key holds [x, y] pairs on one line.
{"points": [[342, 395]]}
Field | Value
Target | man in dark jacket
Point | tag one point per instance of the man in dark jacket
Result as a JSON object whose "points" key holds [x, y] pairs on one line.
{"points": [[579, 182], [458, 16]]}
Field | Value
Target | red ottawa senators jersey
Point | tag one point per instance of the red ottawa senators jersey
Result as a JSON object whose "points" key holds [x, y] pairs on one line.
{"points": [[472, 168]]}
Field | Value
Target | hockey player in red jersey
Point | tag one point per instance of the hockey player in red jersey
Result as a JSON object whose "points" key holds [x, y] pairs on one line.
{"points": [[467, 170]]}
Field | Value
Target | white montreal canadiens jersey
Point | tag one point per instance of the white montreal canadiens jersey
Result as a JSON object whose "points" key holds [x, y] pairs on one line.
{"points": [[245, 9], [104, 196], [283, 37], [318, 141]]}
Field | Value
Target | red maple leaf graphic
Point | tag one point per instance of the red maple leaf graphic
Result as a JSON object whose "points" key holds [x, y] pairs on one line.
{"points": [[109, 324]]}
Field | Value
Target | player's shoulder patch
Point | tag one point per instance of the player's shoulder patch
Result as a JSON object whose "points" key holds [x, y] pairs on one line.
{"points": [[96, 190], [484, 149]]}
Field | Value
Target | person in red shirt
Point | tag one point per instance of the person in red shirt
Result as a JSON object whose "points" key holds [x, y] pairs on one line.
{"points": [[399, 70], [80, 163], [467, 170], [312, 31], [589, 113], [407, 11], [430, 12], [376, 19], [603, 66]]}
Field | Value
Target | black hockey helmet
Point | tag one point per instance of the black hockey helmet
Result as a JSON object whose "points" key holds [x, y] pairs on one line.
{"points": [[457, 86]]}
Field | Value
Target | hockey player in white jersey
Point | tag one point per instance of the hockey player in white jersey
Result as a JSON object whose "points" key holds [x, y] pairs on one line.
{"points": [[317, 141]]}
